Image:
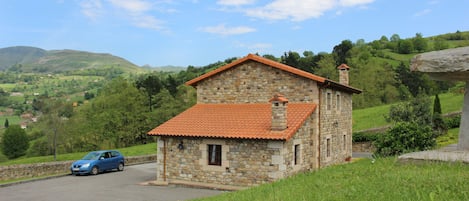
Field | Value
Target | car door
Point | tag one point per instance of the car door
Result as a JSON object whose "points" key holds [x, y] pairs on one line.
{"points": [[105, 160]]}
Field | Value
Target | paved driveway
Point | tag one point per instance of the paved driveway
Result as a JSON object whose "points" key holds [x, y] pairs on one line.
{"points": [[113, 186]]}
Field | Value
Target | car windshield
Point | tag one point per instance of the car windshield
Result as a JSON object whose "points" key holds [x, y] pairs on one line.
{"points": [[91, 156]]}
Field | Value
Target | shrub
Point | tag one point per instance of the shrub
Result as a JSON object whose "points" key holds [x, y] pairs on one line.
{"points": [[364, 137], [452, 122], [404, 137], [15, 142], [40, 147]]}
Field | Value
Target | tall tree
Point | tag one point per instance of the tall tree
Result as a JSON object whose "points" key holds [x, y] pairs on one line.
{"points": [[340, 51], [151, 84], [15, 142], [420, 43]]}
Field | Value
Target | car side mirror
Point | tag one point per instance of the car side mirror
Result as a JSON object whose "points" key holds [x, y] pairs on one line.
{"points": [[101, 158]]}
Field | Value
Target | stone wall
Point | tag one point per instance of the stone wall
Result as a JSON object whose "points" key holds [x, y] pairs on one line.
{"points": [[363, 147], [253, 82], [244, 162], [335, 127], [11, 172]]}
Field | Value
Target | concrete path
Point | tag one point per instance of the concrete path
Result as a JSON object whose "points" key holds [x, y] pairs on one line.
{"points": [[448, 154]]}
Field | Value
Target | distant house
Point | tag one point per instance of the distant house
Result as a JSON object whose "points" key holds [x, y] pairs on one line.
{"points": [[257, 121]]}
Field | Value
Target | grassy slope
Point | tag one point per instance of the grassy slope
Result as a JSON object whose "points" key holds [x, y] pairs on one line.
{"points": [[129, 151], [375, 116], [383, 180]]}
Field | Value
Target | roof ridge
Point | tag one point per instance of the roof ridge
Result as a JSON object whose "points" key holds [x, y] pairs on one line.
{"points": [[259, 59]]}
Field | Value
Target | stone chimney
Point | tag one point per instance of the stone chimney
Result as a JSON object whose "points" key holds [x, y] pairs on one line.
{"points": [[279, 112], [343, 74]]}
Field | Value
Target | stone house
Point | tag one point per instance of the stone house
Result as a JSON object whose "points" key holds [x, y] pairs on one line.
{"points": [[257, 121]]}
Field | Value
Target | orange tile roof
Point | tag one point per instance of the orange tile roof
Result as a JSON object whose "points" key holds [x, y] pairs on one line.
{"points": [[241, 121], [259, 59]]}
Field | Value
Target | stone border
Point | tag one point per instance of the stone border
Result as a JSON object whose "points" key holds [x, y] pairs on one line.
{"points": [[31, 172]]}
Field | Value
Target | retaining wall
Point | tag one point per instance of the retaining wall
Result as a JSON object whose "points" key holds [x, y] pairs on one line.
{"points": [[11, 172]]}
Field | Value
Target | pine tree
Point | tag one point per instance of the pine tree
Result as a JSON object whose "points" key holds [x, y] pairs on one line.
{"points": [[436, 105], [6, 123]]}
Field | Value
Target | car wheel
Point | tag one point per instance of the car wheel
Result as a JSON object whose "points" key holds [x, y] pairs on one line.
{"points": [[94, 170], [120, 167]]}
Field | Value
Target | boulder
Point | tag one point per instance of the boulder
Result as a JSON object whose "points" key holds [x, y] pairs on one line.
{"points": [[449, 64]]}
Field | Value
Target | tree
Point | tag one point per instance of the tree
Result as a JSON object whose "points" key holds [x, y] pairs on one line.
{"points": [[411, 130], [418, 110], [151, 85], [438, 125], [15, 142], [405, 47], [340, 51], [291, 59], [3, 98], [6, 124], [420, 43]]}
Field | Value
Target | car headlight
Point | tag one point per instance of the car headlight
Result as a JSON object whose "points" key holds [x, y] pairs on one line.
{"points": [[85, 165]]}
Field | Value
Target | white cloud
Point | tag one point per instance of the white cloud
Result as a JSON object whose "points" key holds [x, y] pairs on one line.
{"points": [[348, 3], [91, 8], [223, 30], [133, 6], [423, 12], [136, 12], [260, 48], [235, 2], [295, 10]]}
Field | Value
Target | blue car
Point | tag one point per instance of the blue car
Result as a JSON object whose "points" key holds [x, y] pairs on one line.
{"points": [[98, 161]]}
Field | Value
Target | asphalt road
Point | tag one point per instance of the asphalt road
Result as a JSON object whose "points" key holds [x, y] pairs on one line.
{"points": [[112, 186]]}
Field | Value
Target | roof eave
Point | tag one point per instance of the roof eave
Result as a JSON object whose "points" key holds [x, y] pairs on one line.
{"points": [[342, 87]]}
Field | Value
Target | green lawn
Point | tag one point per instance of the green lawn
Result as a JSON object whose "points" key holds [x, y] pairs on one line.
{"points": [[385, 179], [129, 151], [375, 116]]}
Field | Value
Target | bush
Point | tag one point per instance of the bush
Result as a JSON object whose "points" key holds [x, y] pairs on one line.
{"points": [[364, 137], [40, 147], [452, 122], [15, 142], [405, 137]]}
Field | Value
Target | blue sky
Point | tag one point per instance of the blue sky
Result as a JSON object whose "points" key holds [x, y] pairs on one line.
{"points": [[196, 32]]}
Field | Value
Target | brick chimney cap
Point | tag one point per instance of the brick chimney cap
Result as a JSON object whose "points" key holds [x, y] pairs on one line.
{"points": [[343, 66], [279, 98]]}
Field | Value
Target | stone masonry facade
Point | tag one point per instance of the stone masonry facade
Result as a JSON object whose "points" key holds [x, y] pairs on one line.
{"points": [[244, 162], [324, 139]]}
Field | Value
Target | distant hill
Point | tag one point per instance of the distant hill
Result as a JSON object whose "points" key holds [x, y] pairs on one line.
{"points": [[32, 59], [19, 55], [168, 68]]}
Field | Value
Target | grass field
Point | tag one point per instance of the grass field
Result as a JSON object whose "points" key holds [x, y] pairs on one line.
{"points": [[385, 179], [129, 151], [375, 116]]}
